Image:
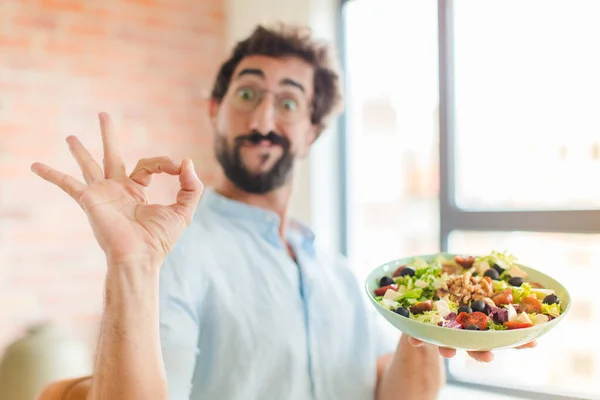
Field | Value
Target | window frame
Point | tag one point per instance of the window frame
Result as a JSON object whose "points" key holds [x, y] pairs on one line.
{"points": [[453, 218]]}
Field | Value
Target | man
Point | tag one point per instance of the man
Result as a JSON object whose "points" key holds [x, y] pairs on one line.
{"points": [[248, 307]]}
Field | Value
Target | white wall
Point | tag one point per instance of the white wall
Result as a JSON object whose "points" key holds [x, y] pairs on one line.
{"points": [[316, 187]]}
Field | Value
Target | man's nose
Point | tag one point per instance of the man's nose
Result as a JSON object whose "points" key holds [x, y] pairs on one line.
{"points": [[263, 116]]}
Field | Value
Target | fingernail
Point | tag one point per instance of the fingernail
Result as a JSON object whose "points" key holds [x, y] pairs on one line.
{"points": [[191, 165]]}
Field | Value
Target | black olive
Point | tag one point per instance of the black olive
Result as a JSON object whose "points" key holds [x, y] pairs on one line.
{"points": [[493, 274], [466, 309], [479, 305], [407, 271], [386, 281], [472, 328], [498, 268], [402, 311], [516, 281], [551, 299]]}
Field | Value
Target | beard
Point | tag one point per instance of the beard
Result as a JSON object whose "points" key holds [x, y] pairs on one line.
{"points": [[230, 159]]}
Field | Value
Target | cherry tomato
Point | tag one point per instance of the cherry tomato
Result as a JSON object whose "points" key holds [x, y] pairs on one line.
{"points": [[381, 291], [517, 325], [465, 261], [461, 317], [421, 307], [502, 298], [398, 271], [476, 318], [530, 305], [450, 269]]}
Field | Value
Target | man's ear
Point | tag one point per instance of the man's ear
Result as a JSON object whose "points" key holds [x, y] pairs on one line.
{"points": [[312, 135]]}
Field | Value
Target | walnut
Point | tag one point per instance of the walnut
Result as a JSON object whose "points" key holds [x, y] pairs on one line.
{"points": [[464, 288]]}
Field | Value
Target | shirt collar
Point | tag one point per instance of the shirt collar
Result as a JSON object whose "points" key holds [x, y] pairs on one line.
{"points": [[237, 209]]}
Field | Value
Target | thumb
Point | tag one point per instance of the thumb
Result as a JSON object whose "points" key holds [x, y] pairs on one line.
{"points": [[415, 342], [190, 191]]}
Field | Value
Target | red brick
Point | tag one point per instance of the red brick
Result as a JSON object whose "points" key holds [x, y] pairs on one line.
{"points": [[65, 47], [14, 41], [63, 5], [143, 61], [99, 10], [41, 22], [87, 30], [89, 69], [143, 2]]}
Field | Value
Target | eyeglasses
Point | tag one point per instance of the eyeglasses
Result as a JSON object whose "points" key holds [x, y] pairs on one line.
{"points": [[289, 108]]}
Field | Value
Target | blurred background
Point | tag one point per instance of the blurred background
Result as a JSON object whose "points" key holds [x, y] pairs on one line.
{"points": [[470, 126]]}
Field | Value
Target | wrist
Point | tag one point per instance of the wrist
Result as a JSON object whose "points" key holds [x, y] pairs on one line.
{"points": [[131, 285], [141, 262]]}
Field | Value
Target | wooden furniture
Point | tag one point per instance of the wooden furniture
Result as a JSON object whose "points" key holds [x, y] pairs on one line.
{"points": [[68, 389]]}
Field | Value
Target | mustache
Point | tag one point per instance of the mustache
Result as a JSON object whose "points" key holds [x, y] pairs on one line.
{"points": [[256, 137]]}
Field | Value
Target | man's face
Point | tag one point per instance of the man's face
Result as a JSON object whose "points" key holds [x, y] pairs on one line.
{"points": [[263, 123]]}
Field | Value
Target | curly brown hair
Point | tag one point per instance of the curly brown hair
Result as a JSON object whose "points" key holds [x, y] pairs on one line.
{"points": [[288, 40]]}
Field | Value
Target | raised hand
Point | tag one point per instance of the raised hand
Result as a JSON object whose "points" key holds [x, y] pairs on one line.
{"points": [[126, 227]]}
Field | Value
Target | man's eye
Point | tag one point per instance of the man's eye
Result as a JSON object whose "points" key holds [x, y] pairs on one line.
{"points": [[246, 94], [289, 104]]}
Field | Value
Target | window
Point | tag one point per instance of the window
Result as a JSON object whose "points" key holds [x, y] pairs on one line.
{"points": [[392, 108], [526, 103], [472, 126]]}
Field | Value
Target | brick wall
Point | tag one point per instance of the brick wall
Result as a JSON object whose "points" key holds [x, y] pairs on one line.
{"points": [[147, 62]]}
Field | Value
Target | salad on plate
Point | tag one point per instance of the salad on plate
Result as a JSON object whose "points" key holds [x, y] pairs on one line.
{"points": [[479, 293]]}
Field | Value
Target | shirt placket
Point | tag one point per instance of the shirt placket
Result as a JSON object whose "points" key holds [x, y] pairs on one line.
{"points": [[311, 344]]}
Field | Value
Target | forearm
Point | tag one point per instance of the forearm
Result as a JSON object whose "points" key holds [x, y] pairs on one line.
{"points": [[129, 361], [412, 373]]}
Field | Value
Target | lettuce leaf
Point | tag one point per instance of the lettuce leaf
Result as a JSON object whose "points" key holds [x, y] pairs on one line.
{"points": [[453, 306], [410, 297], [551, 309], [499, 286], [503, 260], [493, 326], [428, 272], [520, 292], [418, 263], [428, 317]]}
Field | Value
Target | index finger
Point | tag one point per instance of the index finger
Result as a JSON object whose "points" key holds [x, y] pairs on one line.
{"points": [[482, 356], [113, 163], [529, 345]]}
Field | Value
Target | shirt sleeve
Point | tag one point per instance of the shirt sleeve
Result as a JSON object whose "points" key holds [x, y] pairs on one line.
{"points": [[179, 298]]}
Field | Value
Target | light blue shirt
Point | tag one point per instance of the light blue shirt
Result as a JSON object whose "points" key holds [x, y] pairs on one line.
{"points": [[240, 320]]}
